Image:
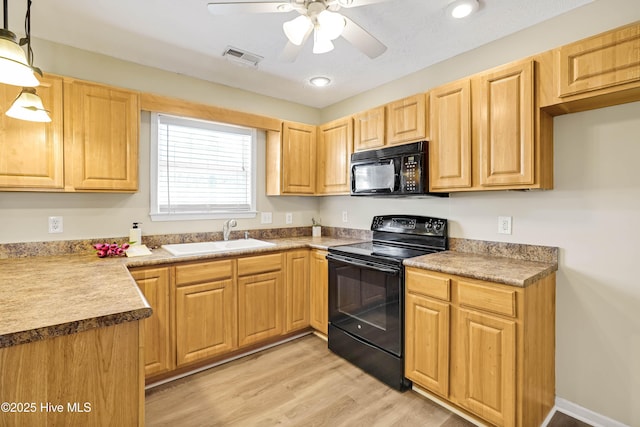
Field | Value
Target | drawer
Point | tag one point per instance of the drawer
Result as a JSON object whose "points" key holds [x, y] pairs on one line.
{"points": [[259, 264], [203, 272], [422, 282], [494, 299]]}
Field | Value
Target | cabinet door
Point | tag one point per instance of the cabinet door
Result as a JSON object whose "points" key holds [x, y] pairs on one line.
{"points": [[205, 320], [335, 144], [319, 291], [598, 62], [406, 120], [427, 343], [156, 330], [485, 359], [507, 126], [369, 129], [297, 291], [101, 137], [31, 154], [298, 158], [259, 307], [450, 141]]}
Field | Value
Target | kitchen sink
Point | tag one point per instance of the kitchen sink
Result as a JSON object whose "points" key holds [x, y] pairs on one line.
{"points": [[182, 249]]}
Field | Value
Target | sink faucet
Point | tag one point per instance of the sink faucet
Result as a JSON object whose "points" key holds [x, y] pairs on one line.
{"points": [[226, 228]]}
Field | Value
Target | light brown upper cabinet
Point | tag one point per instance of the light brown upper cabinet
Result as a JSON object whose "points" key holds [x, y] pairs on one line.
{"points": [[507, 145], [450, 140], [369, 129], [397, 122], [598, 62], [406, 119], [101, 137], [291, 160], [335, 145], [31, 154], [596, 72], [487, 133]]}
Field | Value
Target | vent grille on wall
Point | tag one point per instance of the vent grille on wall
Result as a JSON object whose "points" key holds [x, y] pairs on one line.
{"points": [[242, 57]]}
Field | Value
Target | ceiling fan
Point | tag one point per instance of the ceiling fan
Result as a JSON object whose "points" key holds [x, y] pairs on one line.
{"points": [[319, 17]]}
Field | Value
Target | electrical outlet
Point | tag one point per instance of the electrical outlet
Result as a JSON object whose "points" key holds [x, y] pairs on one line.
{"points": [[55, 224], [288, 218], [266, 218], [504, 225], [345, 216]]}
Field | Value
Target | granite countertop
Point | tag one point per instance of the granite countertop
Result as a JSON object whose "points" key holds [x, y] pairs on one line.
{"points": [[48, 296], [509, 271]]}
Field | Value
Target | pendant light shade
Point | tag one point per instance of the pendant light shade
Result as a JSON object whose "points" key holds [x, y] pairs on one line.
{"points": [[28, 106], [297, 29], [14, 68], [331, 24], [321, 44]]}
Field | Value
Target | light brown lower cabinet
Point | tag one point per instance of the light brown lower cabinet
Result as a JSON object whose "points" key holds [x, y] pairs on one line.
{"points": [[297, 290], [204, 310], [319, 291], [484, 347], [260, 298], [156, 334], [205, 295]]}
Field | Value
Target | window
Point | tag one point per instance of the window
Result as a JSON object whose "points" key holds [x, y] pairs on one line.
{"points": [[201, 170]]}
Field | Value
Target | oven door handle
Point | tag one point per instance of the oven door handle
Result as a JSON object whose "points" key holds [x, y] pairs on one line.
{"points": [[363, 264]]}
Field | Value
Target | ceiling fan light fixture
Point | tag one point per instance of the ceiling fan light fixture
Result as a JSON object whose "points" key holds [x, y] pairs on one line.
{"points": [[320, 43], [331, 24], [297, 29], [28, 106], [320, 81], [462, 8], [14, 68]]}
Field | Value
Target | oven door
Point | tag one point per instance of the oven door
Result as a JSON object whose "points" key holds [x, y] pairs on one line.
{"points": [[366, 300]]}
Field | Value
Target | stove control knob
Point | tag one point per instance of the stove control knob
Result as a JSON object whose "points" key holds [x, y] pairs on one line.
{"points": [[438, 226]]}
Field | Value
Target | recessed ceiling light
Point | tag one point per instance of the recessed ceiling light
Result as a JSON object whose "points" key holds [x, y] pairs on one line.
{"points": [[320, 81], [462, 8]]}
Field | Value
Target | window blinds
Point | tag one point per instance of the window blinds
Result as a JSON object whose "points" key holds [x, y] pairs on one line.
{"points": [[203, 167]]}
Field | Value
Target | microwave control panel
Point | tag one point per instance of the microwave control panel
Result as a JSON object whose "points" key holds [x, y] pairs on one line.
{"points": [[411, 176]]}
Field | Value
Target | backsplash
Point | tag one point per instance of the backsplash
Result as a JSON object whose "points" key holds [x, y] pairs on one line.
{"points": [[68, 247]]}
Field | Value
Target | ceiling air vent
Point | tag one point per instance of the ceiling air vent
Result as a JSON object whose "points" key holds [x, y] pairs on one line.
{"points": [[242, 57]]}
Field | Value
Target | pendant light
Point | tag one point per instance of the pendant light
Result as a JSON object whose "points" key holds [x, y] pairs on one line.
{"points": [[28, 105], [14, 68]]}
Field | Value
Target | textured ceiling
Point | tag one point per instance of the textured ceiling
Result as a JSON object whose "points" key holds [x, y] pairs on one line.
{"points": [[181, 36]]}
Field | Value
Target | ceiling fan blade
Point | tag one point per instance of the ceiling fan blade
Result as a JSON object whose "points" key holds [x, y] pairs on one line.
{"points": [[355, 3], [362, 40], [291, 51], [230, 8]]}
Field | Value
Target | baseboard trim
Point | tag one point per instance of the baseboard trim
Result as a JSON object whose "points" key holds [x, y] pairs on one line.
{"points": [[582, 414], [446, 405]]}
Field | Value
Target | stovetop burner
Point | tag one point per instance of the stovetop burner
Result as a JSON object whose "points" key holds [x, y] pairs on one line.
{"points": [[398, 237]]}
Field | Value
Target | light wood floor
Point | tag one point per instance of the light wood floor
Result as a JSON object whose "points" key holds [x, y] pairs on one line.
{"points": [[300, 383]]}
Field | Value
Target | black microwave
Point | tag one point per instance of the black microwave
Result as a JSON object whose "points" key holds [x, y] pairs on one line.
{"points": [[401, 170]]}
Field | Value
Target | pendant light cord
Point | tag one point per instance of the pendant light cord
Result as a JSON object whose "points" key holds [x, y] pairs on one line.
{"points": [[27, 32], [6, 13]]}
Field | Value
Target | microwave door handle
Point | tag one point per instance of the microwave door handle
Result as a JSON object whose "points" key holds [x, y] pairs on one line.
{"points": [[351, 261]]}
